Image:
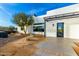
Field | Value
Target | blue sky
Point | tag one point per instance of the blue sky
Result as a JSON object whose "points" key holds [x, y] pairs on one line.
{"points": [[7, 10]]}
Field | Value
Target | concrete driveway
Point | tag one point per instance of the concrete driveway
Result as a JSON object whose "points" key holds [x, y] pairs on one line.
{"points": [[56, 47]]}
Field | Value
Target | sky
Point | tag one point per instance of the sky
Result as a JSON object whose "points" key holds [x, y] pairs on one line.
{"points": [[8, 10]]}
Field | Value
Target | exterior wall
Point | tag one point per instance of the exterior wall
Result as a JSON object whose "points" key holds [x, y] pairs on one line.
{"points": [[29, 30], [74, 30], [39, 19], [42, 33], [51, 30], [71, 26], [19, 29]]}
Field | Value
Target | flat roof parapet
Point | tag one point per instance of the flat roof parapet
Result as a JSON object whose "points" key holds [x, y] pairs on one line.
{"points": [[62, 16]]}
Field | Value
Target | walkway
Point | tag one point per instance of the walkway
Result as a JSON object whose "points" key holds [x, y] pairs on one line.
{"points": [[56, 47]]}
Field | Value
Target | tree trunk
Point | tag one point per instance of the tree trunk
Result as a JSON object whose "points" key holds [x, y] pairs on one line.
{"points": [[25, 31], [31, 28]]}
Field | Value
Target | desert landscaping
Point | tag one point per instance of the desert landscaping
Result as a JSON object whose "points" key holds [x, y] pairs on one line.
{"points": [[19, 45]]}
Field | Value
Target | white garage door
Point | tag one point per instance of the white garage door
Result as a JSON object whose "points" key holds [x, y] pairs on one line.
{"points": [[74, 31]]}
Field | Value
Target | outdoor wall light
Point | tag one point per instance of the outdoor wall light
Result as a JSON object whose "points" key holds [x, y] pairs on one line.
{"points": [[52, 24]]}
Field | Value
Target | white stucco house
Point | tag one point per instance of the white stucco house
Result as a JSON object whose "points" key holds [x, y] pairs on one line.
{"points": [[61, 22]]}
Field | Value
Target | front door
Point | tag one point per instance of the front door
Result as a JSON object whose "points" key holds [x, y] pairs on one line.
{"points": [[60, 29]]}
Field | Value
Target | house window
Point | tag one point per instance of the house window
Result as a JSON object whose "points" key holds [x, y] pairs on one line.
{"points": [[38, 27]]}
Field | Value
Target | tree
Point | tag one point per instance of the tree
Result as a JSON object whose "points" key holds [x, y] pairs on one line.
{"points": [[30, 22], [23, 21], [12, 28]]}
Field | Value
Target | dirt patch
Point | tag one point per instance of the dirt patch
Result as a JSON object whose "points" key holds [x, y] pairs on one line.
{"points": [[11, 38], [20, 47]]}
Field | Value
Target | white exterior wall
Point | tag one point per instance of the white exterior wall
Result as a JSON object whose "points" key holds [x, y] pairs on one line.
{"points": [[71, 27], [74, 30], [39, 19], [29, 30], [50, 29], [19, 29]]}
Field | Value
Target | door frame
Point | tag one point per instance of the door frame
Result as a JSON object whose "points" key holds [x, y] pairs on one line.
{"points": [[62, 33]]}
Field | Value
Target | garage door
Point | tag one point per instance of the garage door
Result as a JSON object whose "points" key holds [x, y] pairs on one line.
{"points": [[74, 31]]}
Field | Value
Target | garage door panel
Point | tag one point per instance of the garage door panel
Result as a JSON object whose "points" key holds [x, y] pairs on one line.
{"points": [[74, 31]]}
